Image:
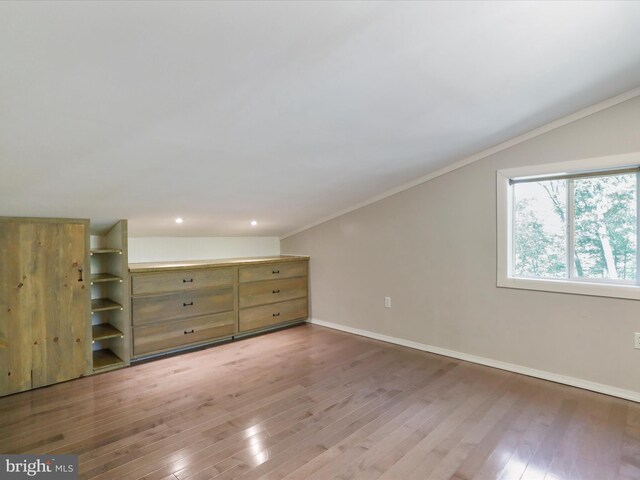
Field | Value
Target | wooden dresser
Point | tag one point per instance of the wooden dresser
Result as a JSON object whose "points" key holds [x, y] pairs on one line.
{"points": [[177, 305]]}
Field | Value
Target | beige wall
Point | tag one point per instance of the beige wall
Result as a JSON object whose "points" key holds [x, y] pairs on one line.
{"points": [[161, 249], [432, 248]]}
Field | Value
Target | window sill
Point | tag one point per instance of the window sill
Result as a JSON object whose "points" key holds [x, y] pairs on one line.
{"points": [[631, 292]]}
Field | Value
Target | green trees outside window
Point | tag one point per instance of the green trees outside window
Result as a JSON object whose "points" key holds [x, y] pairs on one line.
{"points": [[576, 228]]}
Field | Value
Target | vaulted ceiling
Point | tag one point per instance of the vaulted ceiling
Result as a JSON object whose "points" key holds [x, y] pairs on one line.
{"points": [[283, 112]]}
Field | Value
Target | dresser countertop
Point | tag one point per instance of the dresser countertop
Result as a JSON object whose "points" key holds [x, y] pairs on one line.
{"points": [[222, 262]]}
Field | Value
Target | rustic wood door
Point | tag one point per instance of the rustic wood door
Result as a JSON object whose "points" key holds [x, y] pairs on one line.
{"points": [[44, 301]]}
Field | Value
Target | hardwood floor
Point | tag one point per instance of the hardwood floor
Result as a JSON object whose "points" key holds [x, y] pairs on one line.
{"points": [[313, 403]]}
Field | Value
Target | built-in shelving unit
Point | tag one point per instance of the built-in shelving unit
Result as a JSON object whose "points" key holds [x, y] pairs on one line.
{"points": [[104, 304], [105, 359], [104, 331], [110, 322], [104, 277], [98, 251]]}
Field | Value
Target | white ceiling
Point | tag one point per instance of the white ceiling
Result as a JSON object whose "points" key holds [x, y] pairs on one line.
{"points": [[283, 112]]}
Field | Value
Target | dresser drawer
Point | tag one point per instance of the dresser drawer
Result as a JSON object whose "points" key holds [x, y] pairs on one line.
{"points": [[181, 333], [261, 293], [274, 314], [190, 303], [273, 271], [146, 283]]}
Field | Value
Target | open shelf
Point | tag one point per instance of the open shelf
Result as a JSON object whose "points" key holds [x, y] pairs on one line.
{"points": [[105, 358], [104, 277], [104, 304], [110, 298], [96, 251], [104, 331]]}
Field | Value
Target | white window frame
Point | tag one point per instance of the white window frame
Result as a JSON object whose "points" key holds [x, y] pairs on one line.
{"points": [[505, 278]]}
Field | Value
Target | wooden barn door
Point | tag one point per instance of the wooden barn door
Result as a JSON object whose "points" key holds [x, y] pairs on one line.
{"points": [[44, 301]]}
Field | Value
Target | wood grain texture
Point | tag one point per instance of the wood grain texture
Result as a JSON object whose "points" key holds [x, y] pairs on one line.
{"points": [[273, 272], [272, 295], [44, 332], [152, 283], [120, 291], [273, 314], [63, 308], [159, 337], [15, 334], [273, 291], [179, 305], [313, 403]]}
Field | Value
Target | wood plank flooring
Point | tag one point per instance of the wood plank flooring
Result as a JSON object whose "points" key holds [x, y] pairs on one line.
{"points": [[313, 403]]}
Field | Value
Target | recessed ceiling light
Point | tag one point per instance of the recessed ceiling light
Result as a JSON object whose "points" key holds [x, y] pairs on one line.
{"points": [[179, 220], [254, 223]]}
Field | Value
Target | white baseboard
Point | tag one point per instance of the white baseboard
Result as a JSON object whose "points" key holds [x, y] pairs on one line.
{"points": [[531, 372]]}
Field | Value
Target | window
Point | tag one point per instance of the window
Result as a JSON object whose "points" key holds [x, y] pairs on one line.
{"points": [[573, 231]]}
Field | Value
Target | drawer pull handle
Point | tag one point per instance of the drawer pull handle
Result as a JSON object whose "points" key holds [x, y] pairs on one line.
{"points": [[276, 314], [275, 272], [190, 280], [275, 291], [186, 332], [190, 304]]}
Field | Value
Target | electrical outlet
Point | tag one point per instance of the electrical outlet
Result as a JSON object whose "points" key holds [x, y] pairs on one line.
{"points": [[636, 343], [387, 303]]}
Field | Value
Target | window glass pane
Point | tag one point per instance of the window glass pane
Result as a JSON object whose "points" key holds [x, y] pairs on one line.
{"points": [[540, 233], [605, 227]]}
